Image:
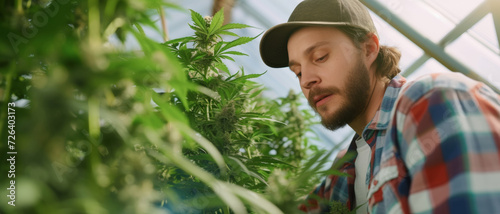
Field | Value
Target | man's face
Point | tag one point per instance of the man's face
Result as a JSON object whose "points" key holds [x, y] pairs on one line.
{"points": [[332, 74]]}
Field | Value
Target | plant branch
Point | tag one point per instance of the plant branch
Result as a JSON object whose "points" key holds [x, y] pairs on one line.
{"points": [[163, 24], [7, 95]]}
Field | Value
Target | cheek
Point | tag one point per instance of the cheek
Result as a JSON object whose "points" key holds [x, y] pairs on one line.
{"points": [[348, 53], [305, 92]]}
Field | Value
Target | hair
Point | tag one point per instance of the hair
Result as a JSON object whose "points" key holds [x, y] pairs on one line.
{"points": [[388, 57]]}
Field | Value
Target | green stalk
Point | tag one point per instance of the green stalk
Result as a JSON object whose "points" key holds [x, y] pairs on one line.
{"points": [[19, 6], [208, 111], [163, 24], [7, 96], [141, 31], [248, 152], [94, 25], [94, 126]]}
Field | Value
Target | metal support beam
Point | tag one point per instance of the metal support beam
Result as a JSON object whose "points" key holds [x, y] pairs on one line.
{"points": [[470, 20], [495, 11], [428, 46]]}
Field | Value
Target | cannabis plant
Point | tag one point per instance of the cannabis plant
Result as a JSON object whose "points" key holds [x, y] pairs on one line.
{"points": [[253, 134], [167, 128]]}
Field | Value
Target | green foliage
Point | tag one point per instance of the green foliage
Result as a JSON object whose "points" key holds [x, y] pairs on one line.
{"points": [[339, 208], [89, 139], [255, 135]]}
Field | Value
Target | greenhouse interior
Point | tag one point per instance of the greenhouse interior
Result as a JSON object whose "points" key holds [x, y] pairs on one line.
{"points": [[166, 106]]}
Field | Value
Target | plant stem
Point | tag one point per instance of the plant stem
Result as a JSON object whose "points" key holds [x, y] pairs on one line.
{"points": [[139, 28], [249, 153], [19, 4], [94, 25], [7, 95], [208, 113], [94, 126], [163, 24]]}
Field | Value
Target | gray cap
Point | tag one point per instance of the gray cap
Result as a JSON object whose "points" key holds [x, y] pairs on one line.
{"points": [[273, 46]]}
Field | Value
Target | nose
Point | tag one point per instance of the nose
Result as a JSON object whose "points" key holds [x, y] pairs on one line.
{"points": [[309, 78]]}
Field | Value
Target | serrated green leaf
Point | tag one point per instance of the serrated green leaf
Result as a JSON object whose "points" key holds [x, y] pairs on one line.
{"points": [[171, 113], [248, 76], [227, 57], [236, 42], [141, 31], [204, 143], [235, 53], [256, 93], [234, 26], [266, 160], [198, 20], [349, 156], [230, 77], [246, 170], [197, 29], [181, 89], [148, 22], [336, 172], [255, 199], [227, 33], [180, 40], [199, 55], [217, 47], [251, 114], [255, 175], [223, 67], [208, 92], [201, 157], [217, 22]]}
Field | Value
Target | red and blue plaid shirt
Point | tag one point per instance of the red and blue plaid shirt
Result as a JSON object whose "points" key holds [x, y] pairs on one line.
{"points": [[435, 148]]}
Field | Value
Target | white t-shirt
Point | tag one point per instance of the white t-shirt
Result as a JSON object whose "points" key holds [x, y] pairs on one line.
{"points": [[361, 166]]}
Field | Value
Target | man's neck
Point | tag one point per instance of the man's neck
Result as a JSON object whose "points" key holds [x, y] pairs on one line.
{"points": [[375, 101]]}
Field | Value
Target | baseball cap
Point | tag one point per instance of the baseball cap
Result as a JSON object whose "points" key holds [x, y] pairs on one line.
{"points": [[332, 13]]}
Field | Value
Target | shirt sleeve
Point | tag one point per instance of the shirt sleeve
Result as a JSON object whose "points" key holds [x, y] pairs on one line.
{"points": [[449, 140]]}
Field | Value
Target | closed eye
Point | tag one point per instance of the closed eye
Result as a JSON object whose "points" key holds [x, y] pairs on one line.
{"points": [[323, 58]]}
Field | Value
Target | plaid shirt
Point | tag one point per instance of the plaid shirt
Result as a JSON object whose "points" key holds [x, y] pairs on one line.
{"points": [[435, 148]]}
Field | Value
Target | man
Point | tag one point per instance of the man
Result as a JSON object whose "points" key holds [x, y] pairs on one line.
{"points": [[427, 146]]}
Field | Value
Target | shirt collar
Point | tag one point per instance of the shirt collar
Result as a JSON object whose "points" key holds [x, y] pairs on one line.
{"points": [[383, 114]]}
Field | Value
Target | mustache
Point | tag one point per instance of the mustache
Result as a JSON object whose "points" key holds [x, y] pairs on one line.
{"points": [[319, 91]]}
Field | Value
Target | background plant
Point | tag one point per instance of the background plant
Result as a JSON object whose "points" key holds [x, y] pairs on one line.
{"points": [[255, 135], [90, 140]]}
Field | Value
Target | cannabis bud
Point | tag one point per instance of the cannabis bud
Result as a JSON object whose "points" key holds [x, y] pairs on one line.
{"points": [[208, 20]]}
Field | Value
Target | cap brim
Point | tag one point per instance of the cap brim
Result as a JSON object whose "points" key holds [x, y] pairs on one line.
{"points": [[273, 45]]}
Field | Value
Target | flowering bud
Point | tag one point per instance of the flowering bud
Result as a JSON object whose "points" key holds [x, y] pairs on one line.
{"points": [[208, 20]]}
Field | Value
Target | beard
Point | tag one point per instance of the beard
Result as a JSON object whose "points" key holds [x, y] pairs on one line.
{"points": [[356, 97]]}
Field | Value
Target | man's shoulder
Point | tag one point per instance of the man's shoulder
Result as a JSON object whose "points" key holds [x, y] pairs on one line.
{"points": [[425, 85]]}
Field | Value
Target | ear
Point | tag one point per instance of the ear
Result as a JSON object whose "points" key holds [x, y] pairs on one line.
{"points": [[371, 49]]}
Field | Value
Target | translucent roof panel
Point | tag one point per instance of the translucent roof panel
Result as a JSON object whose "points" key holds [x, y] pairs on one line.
{"points": [[418, 15], [429, 67], [484, 32], [477, 48], [477, 57], [454, 10]]}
